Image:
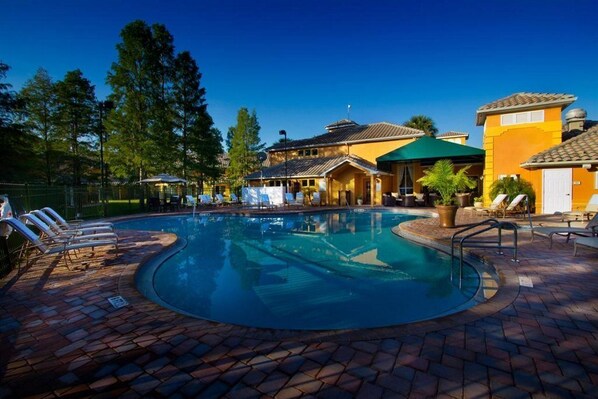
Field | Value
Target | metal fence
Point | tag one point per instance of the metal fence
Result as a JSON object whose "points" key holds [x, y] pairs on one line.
{"points": [[83, 202]]}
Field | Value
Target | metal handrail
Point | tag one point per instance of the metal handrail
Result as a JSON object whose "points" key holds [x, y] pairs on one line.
{"points": [[465, 241]]}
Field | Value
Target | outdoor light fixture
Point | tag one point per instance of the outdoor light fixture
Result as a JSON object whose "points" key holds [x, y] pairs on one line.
{"points": [[286, 181]]}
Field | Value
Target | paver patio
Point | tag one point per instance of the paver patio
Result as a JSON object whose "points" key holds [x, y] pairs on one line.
{"points": [[60, 337]]}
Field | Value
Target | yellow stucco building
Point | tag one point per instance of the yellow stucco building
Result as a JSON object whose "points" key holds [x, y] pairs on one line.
{"points": [[524, 137], [350, 163]]}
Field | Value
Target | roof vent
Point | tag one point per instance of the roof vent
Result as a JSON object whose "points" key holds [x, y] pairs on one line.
{"points": [[575, 119], [343, 123]]}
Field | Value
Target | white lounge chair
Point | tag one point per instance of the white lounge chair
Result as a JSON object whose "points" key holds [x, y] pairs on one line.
{"points": [[220, 200], [591, 208], [288, 199], [52, 248], [58, 235], [191, 201], [234, 199], [299, 198], [206, 199], [591, 229], [265, 201], [495, 206], [59, 229], [514, 206], [74, 223], [315, 199]]}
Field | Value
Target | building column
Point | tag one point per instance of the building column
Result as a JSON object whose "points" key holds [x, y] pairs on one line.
{"points": [[372, 189]]}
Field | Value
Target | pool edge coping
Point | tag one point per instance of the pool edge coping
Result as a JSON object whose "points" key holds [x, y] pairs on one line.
{"points": [[507, 291]]}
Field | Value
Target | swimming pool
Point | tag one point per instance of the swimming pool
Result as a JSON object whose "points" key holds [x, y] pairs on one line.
{"points": [[316, 271]]}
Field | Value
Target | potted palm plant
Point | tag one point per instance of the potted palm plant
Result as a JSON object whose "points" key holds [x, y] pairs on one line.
{"points": [[442, 178]]}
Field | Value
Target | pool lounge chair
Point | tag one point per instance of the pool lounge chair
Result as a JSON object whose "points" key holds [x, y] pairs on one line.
{"points": [[52, 248], [288, 199], [65, 235], [315, 199], [59, 229], [234, 199], [591, 208], [205, 200], [220, 200], [515, 207], [74, 223], [265, 202], [299, 198], [495, 206], [191, 201], [588, 242], [591, 229]]}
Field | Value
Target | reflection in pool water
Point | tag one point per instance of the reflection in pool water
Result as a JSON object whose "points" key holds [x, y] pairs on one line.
{"points": [[329, 270]]}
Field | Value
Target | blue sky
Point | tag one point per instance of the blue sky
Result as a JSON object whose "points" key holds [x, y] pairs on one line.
{"points": [[300, 63]]}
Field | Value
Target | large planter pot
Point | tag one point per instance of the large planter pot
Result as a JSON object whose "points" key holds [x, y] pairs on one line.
{"points": [[447, 215], [463, 200]]}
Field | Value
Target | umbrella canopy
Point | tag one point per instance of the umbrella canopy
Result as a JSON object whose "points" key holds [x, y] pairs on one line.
{"points": [[163, 178]]}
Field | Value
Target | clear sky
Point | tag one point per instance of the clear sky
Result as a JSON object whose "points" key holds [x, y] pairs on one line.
{"points": [[300, 63]]}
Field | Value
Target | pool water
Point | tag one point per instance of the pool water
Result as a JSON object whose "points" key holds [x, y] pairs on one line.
{"points": [[329, 270]]}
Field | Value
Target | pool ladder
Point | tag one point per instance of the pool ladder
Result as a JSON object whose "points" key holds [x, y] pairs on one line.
{"points": [[469, 240]]}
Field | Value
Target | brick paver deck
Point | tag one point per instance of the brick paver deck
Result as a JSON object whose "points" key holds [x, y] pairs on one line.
{"points": [[61, 338]]}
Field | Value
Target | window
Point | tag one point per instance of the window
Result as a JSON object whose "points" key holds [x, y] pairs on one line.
{"points": [[307, 153], [304, 183], [314, 152], [300, 153], [312, 182], [522, 117], [405, 179]]}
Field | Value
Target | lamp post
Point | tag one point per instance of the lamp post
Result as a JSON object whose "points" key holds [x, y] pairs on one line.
{"points": [[104, 107], [286, 180]]}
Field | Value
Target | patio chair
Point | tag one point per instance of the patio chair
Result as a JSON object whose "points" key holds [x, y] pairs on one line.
{"points": [[175, 203], [591, 208], [316, 199], [51, 248], [495, 206], [65, 235], [62, 230], [299, 198], [591, 229], [154, 204], [73, 224], [588, 242]]}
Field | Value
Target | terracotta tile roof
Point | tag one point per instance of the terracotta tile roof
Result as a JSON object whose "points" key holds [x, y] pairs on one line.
{"points": [[523, 101], [452, 134], [381, 131], [579, 150], [310, 167]]}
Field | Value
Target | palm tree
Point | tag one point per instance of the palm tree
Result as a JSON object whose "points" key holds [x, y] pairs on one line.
{"points": [[424, 123]]}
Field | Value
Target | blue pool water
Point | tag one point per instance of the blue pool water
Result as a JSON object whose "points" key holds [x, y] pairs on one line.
{"points": [[330, 270]]}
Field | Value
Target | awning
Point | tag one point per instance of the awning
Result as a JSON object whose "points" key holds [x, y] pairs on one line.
{"points": [[430, 149]]}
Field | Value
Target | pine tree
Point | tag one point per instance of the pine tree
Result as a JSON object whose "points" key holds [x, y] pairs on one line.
{"points": [[18, 161], [76, 123], [133, 80], [39, 118], [245, 147], [201, 144]]}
